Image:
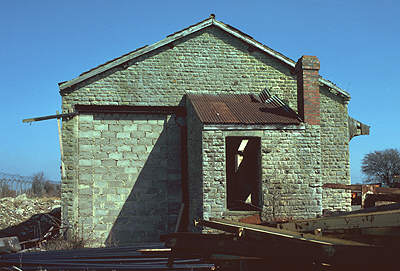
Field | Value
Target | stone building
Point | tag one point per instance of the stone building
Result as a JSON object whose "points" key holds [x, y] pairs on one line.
{"points": [[207, 122]]}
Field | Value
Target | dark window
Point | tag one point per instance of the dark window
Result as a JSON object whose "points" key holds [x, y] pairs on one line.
{"points": [[243, 173]]}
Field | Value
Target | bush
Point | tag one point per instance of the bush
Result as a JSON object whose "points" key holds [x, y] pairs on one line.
{"points": [[38, 183], [6, 191]]}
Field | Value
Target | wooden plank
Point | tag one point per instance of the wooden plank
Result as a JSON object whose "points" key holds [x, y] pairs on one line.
{"points": [[178, 221], [9, 244], [355, 221], [61, 146], [49, 117], [286, 246], [243, 228]]}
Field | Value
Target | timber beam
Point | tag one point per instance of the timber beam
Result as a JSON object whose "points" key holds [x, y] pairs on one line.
{"points": [[345, 222], [283, 248]]}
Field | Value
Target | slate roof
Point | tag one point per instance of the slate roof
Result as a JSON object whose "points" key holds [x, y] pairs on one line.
{"points": [[211, 21], [245, 109]]}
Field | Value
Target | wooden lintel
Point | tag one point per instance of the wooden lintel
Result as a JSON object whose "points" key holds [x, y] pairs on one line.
{"points": [[131, 109]]}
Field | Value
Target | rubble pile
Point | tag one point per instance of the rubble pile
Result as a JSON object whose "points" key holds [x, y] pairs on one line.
{"points": [[27, 217]]}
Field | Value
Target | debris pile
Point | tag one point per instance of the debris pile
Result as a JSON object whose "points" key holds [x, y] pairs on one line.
{"points": [[13, 211], [29, 219]]}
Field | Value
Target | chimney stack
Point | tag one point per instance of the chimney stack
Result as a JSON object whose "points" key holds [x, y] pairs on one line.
{"points": [[308, 98]]}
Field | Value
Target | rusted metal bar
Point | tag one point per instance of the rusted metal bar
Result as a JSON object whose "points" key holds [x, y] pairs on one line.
{"points": [[119, 258]]}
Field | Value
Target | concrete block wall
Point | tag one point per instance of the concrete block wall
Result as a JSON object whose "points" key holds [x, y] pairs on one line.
{"points": [[209, 61], [195, 165], [128, 187]]}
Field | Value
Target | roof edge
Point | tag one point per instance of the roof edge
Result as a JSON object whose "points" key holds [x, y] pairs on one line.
{"points": [[180, 34], [134, 54]]}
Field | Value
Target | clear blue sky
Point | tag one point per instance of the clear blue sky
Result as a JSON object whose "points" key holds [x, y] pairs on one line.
{"points": [[46, 42]]}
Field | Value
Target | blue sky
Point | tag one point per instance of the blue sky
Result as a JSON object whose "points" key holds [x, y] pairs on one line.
{"points": [[46, 42]]}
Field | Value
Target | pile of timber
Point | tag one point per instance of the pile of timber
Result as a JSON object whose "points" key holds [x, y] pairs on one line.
{"points": [[261, 247], [379, 226]]}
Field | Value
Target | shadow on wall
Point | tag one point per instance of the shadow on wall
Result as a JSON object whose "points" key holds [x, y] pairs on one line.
{"points": [[152, 206]]}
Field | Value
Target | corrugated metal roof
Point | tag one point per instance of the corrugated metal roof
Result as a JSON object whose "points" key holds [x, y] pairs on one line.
{"points": [[241, 109]]}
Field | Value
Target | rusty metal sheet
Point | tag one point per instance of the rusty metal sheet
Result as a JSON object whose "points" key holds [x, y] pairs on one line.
{"points": [[241, 109]]}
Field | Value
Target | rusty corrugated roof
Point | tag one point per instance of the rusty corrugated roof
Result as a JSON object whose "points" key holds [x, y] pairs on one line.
{"points": [[241, 109]]}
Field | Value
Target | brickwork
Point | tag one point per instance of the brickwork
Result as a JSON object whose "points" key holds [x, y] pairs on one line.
{"points": [[308, 96], [98, 152]]}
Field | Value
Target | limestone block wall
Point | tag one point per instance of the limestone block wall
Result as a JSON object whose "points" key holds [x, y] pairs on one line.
{"points": [[291, 162], [291, 173], [209, 61], [195, 165], [334, 150], [128, 187]]}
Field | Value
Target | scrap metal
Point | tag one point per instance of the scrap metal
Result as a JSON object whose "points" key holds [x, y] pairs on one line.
{"points": [[141, 257]]}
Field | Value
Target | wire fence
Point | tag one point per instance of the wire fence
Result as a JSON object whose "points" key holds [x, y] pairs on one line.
{"points": [[12, 187]]}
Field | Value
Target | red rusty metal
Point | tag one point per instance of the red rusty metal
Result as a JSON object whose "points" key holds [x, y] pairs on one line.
{"points": [[253, 219], [241, 109]]}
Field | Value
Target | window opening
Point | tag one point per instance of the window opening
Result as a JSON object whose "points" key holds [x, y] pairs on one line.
{"points": [[243, 173]]}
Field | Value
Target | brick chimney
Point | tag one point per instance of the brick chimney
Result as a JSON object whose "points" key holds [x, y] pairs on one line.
{"points": [[308, 98]]}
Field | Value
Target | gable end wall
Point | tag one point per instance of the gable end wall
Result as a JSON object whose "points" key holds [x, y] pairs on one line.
{"points": [[209, 61]]}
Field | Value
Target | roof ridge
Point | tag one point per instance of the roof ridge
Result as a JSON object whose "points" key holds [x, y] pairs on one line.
{"points": [[180, 34]]}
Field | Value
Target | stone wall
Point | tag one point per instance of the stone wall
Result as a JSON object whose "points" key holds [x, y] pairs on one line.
{"points": [[291, 176], [334, 150], [209, 61]]}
